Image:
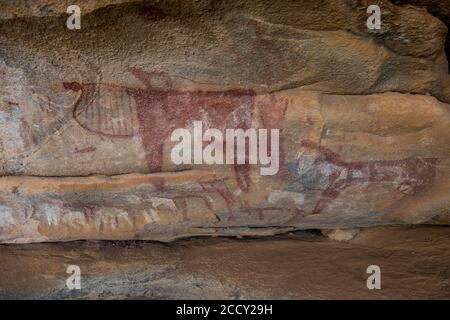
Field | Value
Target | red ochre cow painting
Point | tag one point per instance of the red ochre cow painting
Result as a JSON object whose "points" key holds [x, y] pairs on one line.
{"points": [[330, 174], [108, 110]]}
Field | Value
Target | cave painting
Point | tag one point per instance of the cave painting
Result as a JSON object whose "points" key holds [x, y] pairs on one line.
{"points": [[324, 170], [154, 112]]}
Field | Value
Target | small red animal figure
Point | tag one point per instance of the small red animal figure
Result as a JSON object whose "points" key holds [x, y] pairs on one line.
{"points": [[326, 171]]}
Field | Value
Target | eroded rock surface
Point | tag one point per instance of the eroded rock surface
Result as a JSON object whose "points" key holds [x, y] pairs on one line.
{"points": [[345, 161], [413, 262], [86, 118], [267, 46]]}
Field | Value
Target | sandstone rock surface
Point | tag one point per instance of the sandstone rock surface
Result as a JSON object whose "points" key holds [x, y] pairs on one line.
{"points": [[86, 118], [413, 262], [267, 46], [346, 161]]}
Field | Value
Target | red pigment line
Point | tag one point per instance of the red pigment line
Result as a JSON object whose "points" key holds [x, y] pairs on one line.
{"points": [[85, 150]]}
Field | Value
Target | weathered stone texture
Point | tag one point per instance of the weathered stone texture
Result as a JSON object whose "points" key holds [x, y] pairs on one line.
{"points": [[346, 161], [86, 117], [414, 264]]}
